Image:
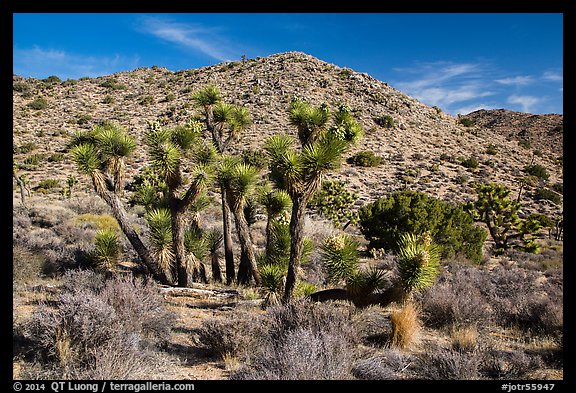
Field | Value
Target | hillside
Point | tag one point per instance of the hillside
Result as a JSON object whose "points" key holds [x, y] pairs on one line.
{"points": [[544, 132], [411, 149]]}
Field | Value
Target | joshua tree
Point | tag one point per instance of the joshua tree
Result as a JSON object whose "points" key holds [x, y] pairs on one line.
{"points": [[23, 183], [100, 154], [224, 123], [300, 172], [214, 242], [276, 202], [238, 180]]}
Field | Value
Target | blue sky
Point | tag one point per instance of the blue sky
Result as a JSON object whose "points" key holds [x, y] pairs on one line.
{"points": [[458, 62]]}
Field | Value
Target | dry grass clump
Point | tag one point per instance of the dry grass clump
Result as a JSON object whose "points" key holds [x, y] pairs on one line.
{"points": [[392, 364], [405, 326]]}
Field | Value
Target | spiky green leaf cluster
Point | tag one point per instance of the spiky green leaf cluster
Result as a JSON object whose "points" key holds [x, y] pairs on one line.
{"points": [[339, 255], [418, 261], [107, 250]]}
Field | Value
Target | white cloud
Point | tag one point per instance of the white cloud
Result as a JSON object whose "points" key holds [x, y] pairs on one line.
{"points": [[444, 84], [527, 103], [195, 37], [517, 81], [552, 76], [41, 63]]}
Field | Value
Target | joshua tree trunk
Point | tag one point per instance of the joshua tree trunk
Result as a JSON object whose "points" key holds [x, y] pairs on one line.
{"points": [[121, 216], [296, 244], [247, 266], [227, 237], [216, 273]]}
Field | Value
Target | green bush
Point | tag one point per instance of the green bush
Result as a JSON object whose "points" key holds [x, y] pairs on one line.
{"points": [[558, 187], [256, 158], [465, 121], [335, 203], [34, 159], [491, 149], [366, 159], [56, 157], [53, 79], [108, 99], [24, 148], [385, 121], [524, 143], [38, 104], [112, 84], [146, 100], [384, 221], [549, 195], [470, 163], [49, 183], [537, 170]]}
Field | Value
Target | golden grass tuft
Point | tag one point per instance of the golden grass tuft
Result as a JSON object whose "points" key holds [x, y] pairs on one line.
{"points": [[405, 326], [101, 221], [465, 338]]}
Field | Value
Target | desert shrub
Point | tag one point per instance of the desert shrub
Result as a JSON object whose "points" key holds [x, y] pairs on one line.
{"points": [[56, 157], [383, 221], [549, 195], [465, 121], [304, 340], [514, 364], [108, 99], [558, 187], [22, 87], [372, 325], [121, 316], [82, 119], [448, 364], [33, 159], [25, 148], [365, 158], [524, 143], [53, 79], [107, 251], [28, 266], [236, 335], [256, 158], [390, 365], [470, 163], [112, 84], [456, 300], [302, 355], [48, 184], [335, 203], [492, 150], [537, 170], [38, 104], [385, 121], [146, 100]]}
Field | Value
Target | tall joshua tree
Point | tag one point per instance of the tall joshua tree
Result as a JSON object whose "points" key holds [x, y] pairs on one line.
{"points": [[224, 123], [166, 149], [101, 154], [300, 172], [239, 180]]}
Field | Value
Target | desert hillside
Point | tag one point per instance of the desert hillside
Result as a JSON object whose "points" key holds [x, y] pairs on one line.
{"points": [[423, 150]]}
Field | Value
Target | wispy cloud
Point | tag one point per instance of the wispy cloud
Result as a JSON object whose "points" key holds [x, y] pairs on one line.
{"points": [[552, 76], [444, 83], [526, 103], [198, 38], [516, 81], [65, 65]]}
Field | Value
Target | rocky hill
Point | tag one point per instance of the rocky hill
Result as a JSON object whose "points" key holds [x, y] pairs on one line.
{"points": [[423, 150], [543, 132]]}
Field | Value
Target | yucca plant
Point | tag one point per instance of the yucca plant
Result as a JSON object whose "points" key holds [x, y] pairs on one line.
{"points": [[276, 202], [272, 279], [339, 255], [107, 251], [159, 222], [418, 261], [300, 173], [362, 283]]}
